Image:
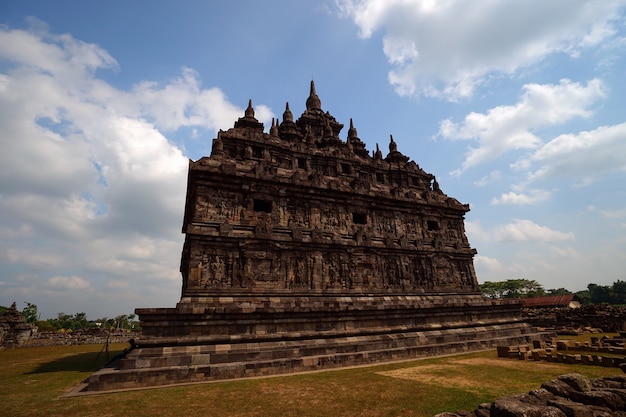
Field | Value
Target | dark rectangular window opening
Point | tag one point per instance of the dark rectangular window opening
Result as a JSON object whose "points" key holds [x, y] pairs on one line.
{"points": [[264, 206], [346, 168], [302, 163], [380, 177], [257, 152], [359, 218], [432, 225]]}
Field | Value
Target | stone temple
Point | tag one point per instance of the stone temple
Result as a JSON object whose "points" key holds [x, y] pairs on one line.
{"points": [[304, 252]]}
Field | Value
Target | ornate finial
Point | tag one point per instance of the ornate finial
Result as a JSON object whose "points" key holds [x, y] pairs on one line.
{"points": [[393, 147], [287, 115], [249, 111], [274, 128], [313, 102], [352, 131]]}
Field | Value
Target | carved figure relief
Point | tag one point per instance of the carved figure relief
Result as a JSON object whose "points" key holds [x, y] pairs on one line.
{"points": [[299, 209]]}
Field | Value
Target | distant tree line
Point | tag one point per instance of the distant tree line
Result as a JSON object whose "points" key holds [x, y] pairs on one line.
{"points": [[77, 321], [522, 288]]}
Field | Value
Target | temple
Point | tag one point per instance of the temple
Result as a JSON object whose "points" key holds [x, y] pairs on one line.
{"points": [[303, 252]]}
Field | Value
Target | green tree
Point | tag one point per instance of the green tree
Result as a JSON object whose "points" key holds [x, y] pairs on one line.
{"points": [[30, 313], [492, 289], [558, 291], [618, 292], [599, 293], [512, 288]]}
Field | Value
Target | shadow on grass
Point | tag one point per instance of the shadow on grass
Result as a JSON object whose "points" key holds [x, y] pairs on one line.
{"points": [[81, 362]]}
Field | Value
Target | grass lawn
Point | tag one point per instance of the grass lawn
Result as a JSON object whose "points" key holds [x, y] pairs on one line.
{"points": [[33, 379]]}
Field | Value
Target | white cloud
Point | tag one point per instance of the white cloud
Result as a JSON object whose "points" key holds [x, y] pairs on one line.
{"points": [[68, 283], [532, 197], [487, 179], [589, 153], [614, 214], [567, 253], [446, 49], [518, 231], [505, 129], [475, 231], [92, 189], [487, 263], [522, 230]]}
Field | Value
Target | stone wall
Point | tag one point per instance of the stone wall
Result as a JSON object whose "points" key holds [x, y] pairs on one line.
{"points": [[570, 395], [80, 337]]}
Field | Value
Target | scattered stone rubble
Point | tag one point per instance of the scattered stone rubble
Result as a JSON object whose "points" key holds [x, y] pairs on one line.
{"points": [[570, 395], [607, 352], [608, 318]]}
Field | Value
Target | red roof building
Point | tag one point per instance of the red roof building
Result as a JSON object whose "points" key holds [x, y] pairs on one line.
{"points": [[569, 300]]}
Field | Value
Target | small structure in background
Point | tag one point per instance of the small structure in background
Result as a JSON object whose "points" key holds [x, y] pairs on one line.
{"points": [[14, 330], [567, 300]]}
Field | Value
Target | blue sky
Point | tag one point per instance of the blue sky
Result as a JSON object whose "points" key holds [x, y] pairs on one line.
{"points": [[516, 107]]}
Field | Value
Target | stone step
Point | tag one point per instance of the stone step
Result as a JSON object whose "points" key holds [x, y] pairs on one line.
{"points": [[148, 367]]}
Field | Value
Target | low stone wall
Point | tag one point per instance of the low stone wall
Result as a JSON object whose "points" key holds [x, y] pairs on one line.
{"points": [[80, 337], [570, 395]]}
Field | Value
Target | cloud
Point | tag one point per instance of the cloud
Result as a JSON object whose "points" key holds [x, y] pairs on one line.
{"points": [[614, 214], [487, 263], [505, 129], [68, 283], [447, 49], [584, 155], [518, 231], [487, 179], [522, 230], [475, 231], [92, 186], [532, 197], [567, 253]]}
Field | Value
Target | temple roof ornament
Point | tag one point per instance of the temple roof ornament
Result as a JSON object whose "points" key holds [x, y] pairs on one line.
{"points": [[313, 102], [394, 155], [249, 110], [248, 120], [352, 133], [287, 115]]}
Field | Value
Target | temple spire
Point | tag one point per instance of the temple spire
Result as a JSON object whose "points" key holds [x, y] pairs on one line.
{"points": [[352, 131], [393, 147], [249, 111], [287, 115], [313, 102]]}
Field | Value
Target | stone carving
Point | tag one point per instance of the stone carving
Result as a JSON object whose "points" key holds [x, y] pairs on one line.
{"points": [[305, 252], [299, 192]]}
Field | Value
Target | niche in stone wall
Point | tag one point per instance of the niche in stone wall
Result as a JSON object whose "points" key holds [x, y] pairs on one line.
{"points": [[359, 218], [432, 225], [264, 206]]}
